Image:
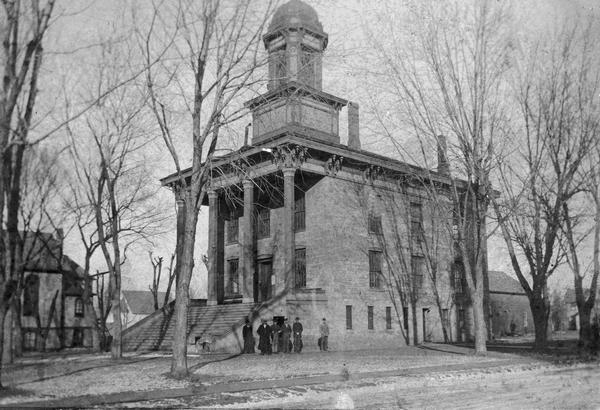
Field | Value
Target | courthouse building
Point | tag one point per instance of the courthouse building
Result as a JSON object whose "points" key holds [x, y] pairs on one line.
{"points": [[303, 225]]}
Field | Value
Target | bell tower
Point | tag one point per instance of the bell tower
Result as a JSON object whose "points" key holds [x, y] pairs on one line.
{"points": [[295, 42], [295, 103]]}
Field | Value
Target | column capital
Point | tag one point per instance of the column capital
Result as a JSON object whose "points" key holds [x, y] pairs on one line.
{"points": [[289, 156], [248, 183], [289, 172], [212, 194]]}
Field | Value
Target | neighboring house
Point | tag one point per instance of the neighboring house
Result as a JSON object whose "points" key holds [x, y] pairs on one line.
{"points": [[573, 312], [53, 313], [509, 305], [297, 219], [137, 304]]}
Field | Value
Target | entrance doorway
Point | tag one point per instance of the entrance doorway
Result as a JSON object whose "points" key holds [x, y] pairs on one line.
{"points": [[426, 335], [265, 277]]}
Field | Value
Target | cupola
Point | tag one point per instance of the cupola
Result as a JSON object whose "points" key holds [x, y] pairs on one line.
{"points": [[295, 42]]}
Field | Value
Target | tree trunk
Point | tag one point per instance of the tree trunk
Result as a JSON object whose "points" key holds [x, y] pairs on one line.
{"points": [[540, 322], [117, 342], [479, 322], [3, 312], [182, 299], [585, 327], [415, 323], [17, 331]]}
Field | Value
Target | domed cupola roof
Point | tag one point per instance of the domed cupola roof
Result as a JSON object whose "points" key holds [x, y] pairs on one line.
{"points": [[296, 13]]}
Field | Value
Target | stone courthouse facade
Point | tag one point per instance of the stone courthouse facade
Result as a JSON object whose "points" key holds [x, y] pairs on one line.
{"points": [[301, 225]]}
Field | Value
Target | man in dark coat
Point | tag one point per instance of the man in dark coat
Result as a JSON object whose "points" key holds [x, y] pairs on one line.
{"points": [[297, 331], [275, 334], [248, 337], [286, 332], [264, 341]]}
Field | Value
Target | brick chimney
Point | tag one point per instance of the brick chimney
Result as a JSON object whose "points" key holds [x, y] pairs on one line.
{"points": [[353, 122], [443, 167]]}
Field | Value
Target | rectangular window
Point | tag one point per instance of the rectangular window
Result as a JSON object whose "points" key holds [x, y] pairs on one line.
{"points": [[455, 222], [307, 66], [458, 278], [405, 317], [300, 268], [370, 317], [29, 340], [416, 226], [416, 212], [234, 277], [375, 224], [388, 317], [299, 215], [263, 221], [233, 228], [417, 265], [348, 316], [374, 269], [79, 307]]}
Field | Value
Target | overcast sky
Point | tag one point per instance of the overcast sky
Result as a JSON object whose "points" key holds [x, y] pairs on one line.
{"points": [[84, 23]]}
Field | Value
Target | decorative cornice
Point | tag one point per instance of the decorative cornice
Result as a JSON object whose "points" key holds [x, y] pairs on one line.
{"points": [[289, 156], [333, 165], [372, 172]]}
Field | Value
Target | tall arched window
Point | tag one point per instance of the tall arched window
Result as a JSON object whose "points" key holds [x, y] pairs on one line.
{"points": [[31, 295], [78, 307]]}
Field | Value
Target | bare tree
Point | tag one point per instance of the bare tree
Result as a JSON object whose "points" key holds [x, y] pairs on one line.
{"points": [[22, 32], [558, 100], [576, 220], [447, 79], [157, 265], [218, 46], [112, 174]]}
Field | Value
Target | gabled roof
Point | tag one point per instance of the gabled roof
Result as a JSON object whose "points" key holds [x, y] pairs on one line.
{"points": [[501, 282], [141, 302]]}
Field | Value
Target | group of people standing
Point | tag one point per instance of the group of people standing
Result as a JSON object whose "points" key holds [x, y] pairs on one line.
{"points": [[279, 338]]}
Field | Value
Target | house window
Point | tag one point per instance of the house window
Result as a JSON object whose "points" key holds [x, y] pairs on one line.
{"points": [[417, 266], [77, 338], [405, 317], [263, 230], [455, 221], [299, 215], [416, 226], [29, 340], [31, 295], [300, 268], [348, 316], [233, 228], [388, 317], [234, 277], [79, 307], [374, 269], [375, 224], [370, 317]]}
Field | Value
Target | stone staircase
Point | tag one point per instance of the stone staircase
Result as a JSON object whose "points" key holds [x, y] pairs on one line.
{"points": [[155, 332]]}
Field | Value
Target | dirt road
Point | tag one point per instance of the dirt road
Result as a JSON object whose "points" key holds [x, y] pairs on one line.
{"points": [[569, 388]]}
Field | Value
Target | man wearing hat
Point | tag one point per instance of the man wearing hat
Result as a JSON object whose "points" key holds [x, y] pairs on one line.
{"points": [[264, 341], [324, 330], [286, 331], [297, 331]]}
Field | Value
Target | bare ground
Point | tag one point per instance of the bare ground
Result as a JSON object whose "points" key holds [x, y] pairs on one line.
{"points": [[496, 380]]}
